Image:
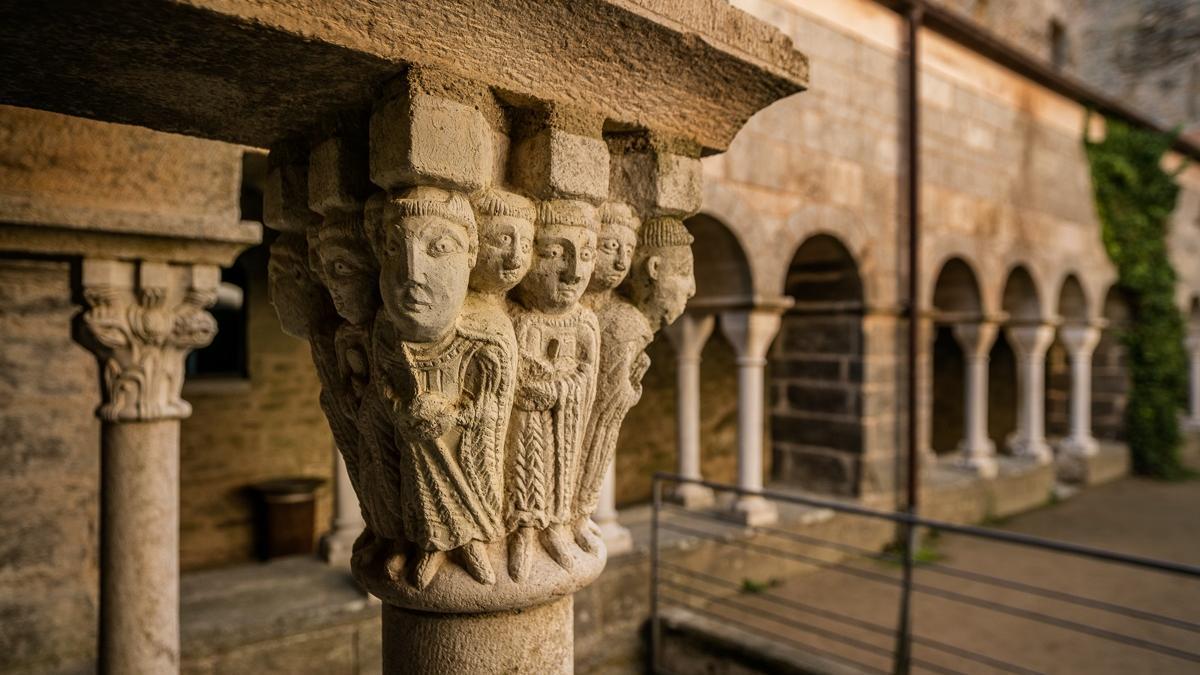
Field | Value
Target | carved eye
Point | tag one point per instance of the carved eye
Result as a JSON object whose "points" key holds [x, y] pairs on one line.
{"points": [[505, 239], [610, 245], [586, 254], [526, 246], [444, 245], [342, 269], [552, 252]]}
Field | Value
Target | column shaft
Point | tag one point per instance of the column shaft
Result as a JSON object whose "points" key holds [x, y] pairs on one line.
{"points": [[347, 521], [538, 640], [977, 452], [751, 332], [688, 335], [1030, 343], [617, 538], [1080, 342], [139, 569]]}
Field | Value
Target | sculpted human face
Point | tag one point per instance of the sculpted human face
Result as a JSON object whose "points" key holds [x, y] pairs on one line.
{"points": [[423, 277], [563, 259], [668, 284], [348, 271], [614, 255], [505, 250]]}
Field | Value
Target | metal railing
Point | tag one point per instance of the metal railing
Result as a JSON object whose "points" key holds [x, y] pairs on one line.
{"points": [[1064, 620]]}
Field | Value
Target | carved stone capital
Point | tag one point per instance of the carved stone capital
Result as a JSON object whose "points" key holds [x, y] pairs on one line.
{"points": [[479, 326], [143, 319]]}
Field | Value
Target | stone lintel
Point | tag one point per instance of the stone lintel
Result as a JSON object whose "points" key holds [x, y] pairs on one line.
{"points": [[703, 67], [76, 187]]}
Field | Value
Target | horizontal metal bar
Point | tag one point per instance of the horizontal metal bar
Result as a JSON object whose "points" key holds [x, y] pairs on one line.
{"points": [[950, 570], [862, 624], [966, 530], [784, 638]]}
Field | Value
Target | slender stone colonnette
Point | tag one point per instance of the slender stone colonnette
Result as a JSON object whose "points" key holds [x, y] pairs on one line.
{"points": [[478, 279]]}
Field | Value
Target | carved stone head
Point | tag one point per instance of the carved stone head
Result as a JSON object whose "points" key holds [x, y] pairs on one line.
{"points": [[344, 262], [505, 240], [661, 281], [614, 246], [563, 257], [428, 249], [298, 297]]}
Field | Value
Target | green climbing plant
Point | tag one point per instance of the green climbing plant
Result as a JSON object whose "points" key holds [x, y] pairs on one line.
{"points": [[1134, 199]]}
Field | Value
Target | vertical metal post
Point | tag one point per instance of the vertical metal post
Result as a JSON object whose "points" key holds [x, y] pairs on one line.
{"points": [[903, 650], [655, 624]]}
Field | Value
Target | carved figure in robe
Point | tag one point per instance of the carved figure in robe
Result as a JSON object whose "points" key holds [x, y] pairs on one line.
{"points": [[343, 261], [558, 343], [624, 335], [505, 222], [447, 386]]}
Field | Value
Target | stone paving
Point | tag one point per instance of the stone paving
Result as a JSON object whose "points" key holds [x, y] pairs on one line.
{"points": [[1133, 516]]}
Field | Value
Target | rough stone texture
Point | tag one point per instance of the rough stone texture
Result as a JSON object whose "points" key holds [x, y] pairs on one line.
{"points": [[49, 480], [529, 641], [243, 431], [68, 184], [702, 68], [1110, 463]]}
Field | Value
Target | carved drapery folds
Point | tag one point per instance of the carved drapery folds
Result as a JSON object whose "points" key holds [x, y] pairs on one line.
{"points": [[142, 320], [478, 279]]}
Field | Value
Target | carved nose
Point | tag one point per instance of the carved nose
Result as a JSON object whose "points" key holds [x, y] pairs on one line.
{"points": [[619, 265]]}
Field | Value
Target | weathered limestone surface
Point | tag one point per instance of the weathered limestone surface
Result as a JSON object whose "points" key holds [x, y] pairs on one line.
{"points": [[74, 186], [49, 468]]}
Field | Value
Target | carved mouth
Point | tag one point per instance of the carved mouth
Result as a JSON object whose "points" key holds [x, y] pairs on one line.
{"points": [[510, 275]]}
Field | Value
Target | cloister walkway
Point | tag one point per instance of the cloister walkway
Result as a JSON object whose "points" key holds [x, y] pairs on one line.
{"points": [[1133, 515]]}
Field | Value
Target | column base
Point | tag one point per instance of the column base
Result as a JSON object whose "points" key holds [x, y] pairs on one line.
{"points": [[617, 538], [1038, 451], [692, 496], [754, 511], [537, 640], [1079, 447], [979, 461], [338, 545]]}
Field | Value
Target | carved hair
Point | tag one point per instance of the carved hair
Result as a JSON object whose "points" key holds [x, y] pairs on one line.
{"points": [[493, 203], [665, 231], [424, 200], [619, 213], [567, 212]]}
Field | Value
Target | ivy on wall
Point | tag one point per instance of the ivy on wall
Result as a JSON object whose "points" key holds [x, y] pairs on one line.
{"points": [[1134, 199]]}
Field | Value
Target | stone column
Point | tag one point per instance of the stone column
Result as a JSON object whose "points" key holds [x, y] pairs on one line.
{"points": [[751, 331], [347, 521], [688, 335], [1193, 351], [143, 318], [1030, 343], [977, 452], [479, 328], [1080, 342], [617, 538]]}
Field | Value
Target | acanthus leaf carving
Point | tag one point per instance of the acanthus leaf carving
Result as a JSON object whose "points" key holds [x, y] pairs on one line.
{"points": [[142, 320]]}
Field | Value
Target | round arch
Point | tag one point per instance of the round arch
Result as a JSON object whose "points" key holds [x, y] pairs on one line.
{"points": [[956, 289], [824, 271], [1072, 301], [1021, 299], [721, 266]]}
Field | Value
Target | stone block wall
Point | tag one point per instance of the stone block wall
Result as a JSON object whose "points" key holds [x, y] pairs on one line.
{"points": [[816, 402], [49, 475], [243, 431]]}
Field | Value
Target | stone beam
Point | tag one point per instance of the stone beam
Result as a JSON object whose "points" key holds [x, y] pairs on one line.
{"points": [[255, 73]]}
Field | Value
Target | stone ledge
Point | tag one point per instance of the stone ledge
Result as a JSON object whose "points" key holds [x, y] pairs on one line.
{"points": [[702, 67], [1112, 461]]}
